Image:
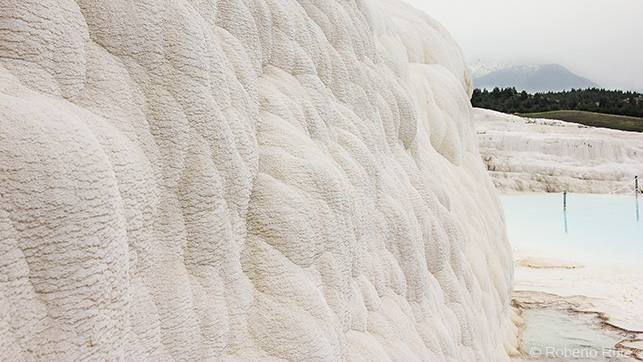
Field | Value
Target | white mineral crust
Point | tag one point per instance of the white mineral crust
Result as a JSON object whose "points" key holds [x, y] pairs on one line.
{"points": [[243, 179], [543, 155]]}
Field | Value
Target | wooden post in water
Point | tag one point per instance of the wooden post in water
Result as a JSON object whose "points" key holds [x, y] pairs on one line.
{"points": [[636, 190], [565, 208]]}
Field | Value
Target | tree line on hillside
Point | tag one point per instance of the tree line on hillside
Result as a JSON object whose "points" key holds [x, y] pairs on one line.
{"points": [[508, 100]]}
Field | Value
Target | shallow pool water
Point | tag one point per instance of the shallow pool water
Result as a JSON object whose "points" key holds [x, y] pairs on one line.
{"points": [[559, 334], [600, 228]]}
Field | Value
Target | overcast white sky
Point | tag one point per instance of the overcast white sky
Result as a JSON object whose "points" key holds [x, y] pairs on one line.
{"points": [[601, 40]]}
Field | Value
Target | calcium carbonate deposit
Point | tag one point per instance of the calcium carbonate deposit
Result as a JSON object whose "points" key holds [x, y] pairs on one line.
{"points": [[542, 155], [243, 179]]}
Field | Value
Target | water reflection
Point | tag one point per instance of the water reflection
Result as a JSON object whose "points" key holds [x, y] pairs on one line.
{"points": [[636, 191]]}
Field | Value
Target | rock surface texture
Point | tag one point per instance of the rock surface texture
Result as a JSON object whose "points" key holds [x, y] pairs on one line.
{"points": [[243, 179], [542, 155]]}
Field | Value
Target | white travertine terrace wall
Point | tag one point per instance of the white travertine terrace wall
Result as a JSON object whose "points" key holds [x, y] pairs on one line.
{"points": [[541, 155], [243, 179]]}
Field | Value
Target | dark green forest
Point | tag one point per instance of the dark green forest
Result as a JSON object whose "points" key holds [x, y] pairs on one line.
{"points": [[508, 100]]}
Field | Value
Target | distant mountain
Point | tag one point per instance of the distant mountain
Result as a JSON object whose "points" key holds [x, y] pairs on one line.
{"points": [[480, 69], [531, 78]]}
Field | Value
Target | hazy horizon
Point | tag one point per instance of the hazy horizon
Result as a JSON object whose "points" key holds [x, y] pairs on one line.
{"points": [[595, 39]]}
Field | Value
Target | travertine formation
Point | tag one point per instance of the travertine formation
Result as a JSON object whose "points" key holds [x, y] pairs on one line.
{"points": [[243, 179], [542, 155]]}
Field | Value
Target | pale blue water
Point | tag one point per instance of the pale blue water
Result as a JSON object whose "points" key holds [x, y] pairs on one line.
{"points": [[600, 228]]}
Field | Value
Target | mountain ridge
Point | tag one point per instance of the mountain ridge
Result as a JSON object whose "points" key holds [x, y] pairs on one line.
{"points": [[531, 78]]}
